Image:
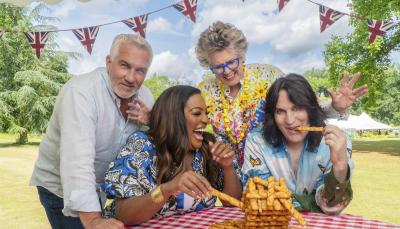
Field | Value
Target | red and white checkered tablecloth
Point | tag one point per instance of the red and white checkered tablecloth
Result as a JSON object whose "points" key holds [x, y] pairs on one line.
{"points": [[205, 218]]}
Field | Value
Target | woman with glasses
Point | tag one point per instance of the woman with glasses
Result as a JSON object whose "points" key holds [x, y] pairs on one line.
{"points": [[235, 95]]}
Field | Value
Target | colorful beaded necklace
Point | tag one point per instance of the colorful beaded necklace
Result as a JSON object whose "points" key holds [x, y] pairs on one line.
{"points": [[242, 99]]}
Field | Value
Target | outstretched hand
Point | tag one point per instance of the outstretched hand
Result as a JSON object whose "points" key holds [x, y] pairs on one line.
{"points": [[345, 96], [138, 112]]}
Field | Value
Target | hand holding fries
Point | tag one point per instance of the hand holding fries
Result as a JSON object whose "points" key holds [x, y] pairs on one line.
{"points": [[189, 182], [336, 140]]}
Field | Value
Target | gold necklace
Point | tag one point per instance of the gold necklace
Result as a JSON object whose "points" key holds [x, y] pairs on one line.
{"points": [[243, 100]]}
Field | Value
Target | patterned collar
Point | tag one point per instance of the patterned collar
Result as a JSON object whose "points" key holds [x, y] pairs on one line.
{"points": [[198, 161], [228, 89], [283, 147]]}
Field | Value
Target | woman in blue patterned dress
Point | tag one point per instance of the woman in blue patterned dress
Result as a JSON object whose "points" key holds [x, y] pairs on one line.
{"points": [[170, 168]]}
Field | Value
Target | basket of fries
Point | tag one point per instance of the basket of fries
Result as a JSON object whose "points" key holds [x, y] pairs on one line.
{"points": [[265, 203]]}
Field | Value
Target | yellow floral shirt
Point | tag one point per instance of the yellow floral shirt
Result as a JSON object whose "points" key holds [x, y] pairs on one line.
{"points": [[260, 77]]}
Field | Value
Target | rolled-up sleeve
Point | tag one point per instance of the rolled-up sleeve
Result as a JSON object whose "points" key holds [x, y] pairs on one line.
{"points": [[77, 152], [330, 112], [331, 195]]}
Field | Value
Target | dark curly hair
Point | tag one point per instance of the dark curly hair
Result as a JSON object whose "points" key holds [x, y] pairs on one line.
{"points": [[302, 95]]}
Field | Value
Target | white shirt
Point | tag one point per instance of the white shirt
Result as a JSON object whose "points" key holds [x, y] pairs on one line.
{"points": [[84, 134]]}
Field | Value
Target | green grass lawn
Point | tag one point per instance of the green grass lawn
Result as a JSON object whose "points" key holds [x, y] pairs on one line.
{"points": [[376, 182], [19, 203]]}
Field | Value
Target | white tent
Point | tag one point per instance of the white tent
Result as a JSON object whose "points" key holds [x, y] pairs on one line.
{"points": [[362, 122]]}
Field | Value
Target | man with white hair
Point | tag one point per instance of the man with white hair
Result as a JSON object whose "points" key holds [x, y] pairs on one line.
{"points": [[92, 118]]}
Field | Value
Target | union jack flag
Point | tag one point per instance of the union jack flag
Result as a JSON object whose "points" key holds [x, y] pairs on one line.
{"points": [[328, 16], [138, 24], [187, 8], [37, 40], [282, 3], [87, 36], [378, 28]]}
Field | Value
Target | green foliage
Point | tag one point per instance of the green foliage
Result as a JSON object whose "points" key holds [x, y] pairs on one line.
{"points": [[388, 99], [319, 80], [353, 53], [28, 86], [157, 84]]}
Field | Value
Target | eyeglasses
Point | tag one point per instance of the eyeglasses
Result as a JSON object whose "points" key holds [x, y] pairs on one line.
{"points": [[232, 65]]}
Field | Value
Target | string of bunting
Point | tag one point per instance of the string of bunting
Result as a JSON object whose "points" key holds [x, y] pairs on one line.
{"points": [[328, 16], [87, 36]]}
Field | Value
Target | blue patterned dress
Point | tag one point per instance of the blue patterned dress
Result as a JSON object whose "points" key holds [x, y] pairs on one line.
{"points": [[134, 173]]}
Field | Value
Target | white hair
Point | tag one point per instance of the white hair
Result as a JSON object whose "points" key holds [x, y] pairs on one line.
{"points": [[136, 40]]}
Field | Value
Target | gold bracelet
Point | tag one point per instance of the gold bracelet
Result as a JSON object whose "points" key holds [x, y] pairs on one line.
{"points": [[157, 195]]}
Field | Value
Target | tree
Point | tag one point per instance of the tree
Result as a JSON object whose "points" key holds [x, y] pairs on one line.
{"points": [[353, 53], [319, 80], [388, 109], [28, 86], [157, 84], [16, 53]]}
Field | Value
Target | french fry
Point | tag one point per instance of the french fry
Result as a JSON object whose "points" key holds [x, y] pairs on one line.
{"points": [[227, 198], [265, 203], [310, 128], [293, 211]]}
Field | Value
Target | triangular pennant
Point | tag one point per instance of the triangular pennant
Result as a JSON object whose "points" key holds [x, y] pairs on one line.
{"points": [[87, 36], [328, 16], [37, 40], [378, 28], [282, 3], [138, 24], [187, 8]]}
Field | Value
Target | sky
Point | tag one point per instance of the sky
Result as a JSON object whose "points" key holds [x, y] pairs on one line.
{"points": [[290, 39]]}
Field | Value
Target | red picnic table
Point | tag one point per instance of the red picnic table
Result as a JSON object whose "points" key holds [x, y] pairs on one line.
{"points": [[204, 219]]}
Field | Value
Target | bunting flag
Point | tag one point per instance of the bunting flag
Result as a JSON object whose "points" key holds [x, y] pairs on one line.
{"points": [[137, 24], [378, 28], [37, 40], [187, 8], [282, 3], [328, 16], [87, 36]]}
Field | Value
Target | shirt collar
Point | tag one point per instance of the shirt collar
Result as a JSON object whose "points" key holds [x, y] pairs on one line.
{"points": [[283, 148], [107, 80], [228, 90]]}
